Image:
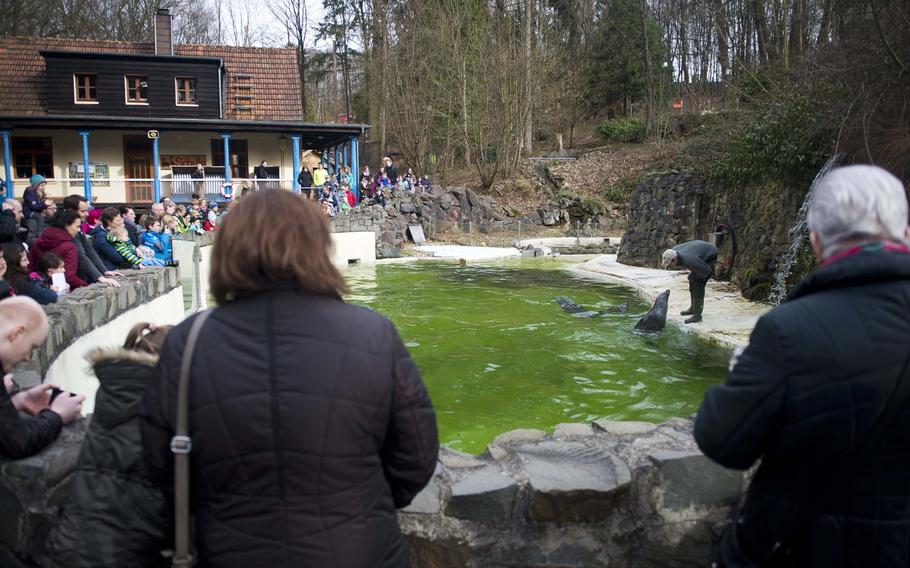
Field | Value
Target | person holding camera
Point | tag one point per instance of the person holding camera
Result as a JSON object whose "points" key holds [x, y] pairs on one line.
{"points": [[23, 326]]}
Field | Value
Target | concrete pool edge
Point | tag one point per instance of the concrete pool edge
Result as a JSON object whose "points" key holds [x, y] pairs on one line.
{"points": [[728, 317]]}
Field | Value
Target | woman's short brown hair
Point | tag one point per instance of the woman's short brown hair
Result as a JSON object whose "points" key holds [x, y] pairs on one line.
{"points": [[273, 240]]}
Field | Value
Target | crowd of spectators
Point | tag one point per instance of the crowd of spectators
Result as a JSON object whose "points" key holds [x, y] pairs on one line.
{"points": [[335, 192], [49, 249]]}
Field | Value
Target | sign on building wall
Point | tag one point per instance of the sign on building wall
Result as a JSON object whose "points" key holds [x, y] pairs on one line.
{"points": [[168, 160], [98, 172]]}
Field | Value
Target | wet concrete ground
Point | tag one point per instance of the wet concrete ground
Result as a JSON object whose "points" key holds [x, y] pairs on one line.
{"points": [[728, 318]]}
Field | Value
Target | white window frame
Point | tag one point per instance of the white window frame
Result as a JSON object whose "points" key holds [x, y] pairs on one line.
{"points": [[126, 90], [177, 92], [76, 88]]}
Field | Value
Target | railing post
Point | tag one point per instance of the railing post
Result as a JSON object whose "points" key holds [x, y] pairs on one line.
{"points": [[295, 159], [227, 163], [355, 167], [86, 181], [197, 276], [156, 164], [7, 163]]}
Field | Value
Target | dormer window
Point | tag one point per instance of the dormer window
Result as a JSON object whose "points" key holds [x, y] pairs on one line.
{"points": [[85, 88], [186, 91], [137, 87]]}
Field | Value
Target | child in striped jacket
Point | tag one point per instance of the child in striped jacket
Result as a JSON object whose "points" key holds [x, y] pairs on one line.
{"points": [[138, 258]]}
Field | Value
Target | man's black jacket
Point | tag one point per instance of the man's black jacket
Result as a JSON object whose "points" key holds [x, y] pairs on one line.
{"points": [[803, 396]]}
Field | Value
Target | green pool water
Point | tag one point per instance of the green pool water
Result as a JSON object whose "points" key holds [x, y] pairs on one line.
{"points": [[497, 352]]}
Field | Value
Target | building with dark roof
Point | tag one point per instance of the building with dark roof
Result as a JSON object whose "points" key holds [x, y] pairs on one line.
{"points": [[129, 121]]}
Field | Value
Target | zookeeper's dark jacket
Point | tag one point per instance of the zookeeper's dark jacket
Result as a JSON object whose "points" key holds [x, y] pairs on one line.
{"points": [[113, 515], [310, 426], [803, 396], [699, 257]]}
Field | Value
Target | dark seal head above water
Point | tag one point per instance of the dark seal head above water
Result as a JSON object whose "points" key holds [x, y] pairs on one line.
{"points": [[583, 312], [656, 318]]}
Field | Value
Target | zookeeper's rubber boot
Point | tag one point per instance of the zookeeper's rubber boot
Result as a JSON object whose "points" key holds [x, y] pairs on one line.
{"points": [[691, 309], [697, 305]]}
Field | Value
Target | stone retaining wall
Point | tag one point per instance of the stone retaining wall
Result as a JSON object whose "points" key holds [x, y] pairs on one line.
{"points": [[88, 308], [674, 207], [609, 493]]}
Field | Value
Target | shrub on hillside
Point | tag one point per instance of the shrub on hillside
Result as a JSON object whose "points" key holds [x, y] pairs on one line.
{"points": [[786, 140], [622, 130]]}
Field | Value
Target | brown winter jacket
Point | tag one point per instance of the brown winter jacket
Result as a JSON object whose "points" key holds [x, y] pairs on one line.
{"points": [[310, 426]]}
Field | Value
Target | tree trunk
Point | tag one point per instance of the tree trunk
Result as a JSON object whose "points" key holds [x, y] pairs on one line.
{"points": [[646, 55], [464, 111], [761, 28], [529, 127]]}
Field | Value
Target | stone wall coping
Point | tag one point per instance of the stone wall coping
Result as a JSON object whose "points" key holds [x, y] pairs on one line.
{"points": [[614, 492], [728, 317], [92, 306]]}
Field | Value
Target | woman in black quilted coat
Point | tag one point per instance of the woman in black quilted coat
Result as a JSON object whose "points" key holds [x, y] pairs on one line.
{"points": [[310, 424]]}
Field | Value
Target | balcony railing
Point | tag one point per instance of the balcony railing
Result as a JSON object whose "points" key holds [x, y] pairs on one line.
{"points": [[139, 190]]}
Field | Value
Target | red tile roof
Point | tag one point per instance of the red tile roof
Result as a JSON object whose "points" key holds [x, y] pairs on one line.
{"points": [[268, 74]]}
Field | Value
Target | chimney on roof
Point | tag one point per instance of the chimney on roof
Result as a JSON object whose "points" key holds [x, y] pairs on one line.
{"points": [[164, 38]]}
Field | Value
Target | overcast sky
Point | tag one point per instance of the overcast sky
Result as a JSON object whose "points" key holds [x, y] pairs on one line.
{"points": [[275, 30]]}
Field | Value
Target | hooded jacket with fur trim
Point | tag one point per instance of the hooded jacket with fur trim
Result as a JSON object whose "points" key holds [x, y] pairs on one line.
{"points": [[113, 516]]}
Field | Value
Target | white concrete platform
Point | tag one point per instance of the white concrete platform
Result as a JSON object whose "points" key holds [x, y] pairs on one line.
{"points": [[556, 242], [468, 253], [728, 318], [354, 248]]}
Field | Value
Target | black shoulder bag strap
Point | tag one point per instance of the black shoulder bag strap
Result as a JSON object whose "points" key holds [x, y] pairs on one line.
{"points": [[181, 444]]}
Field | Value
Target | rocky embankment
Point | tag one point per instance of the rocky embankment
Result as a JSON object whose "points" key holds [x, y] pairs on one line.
{"points": [[448, 210]]}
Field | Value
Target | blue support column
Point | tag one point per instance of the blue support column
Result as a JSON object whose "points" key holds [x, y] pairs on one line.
{"points": [[335, 163], [295, 159], [156, 172], [86, 181], [345, 150], [227, 165], [355, 168], [8, 164]]}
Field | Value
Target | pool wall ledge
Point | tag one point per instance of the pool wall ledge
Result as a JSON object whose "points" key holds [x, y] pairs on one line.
{"points": [[601, 494], [728, 317]]}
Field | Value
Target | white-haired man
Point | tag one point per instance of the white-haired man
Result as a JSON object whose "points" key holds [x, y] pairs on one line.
{"points": [[820, 395], [23, 326], [699, 257]]}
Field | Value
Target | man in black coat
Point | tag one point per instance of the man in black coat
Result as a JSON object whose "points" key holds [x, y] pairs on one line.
{"points": [[699, 257], [817, 394], [11, 228], [23, 326]]}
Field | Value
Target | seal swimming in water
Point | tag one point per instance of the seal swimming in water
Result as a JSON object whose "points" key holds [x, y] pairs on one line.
{"points": [[656, 318], [573, 308]]}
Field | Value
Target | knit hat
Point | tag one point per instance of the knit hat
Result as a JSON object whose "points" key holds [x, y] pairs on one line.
{"points": [[35, 180]]}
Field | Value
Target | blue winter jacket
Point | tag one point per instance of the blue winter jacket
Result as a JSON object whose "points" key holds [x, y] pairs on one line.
{"points": [[109, 256], [158, 242]]}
